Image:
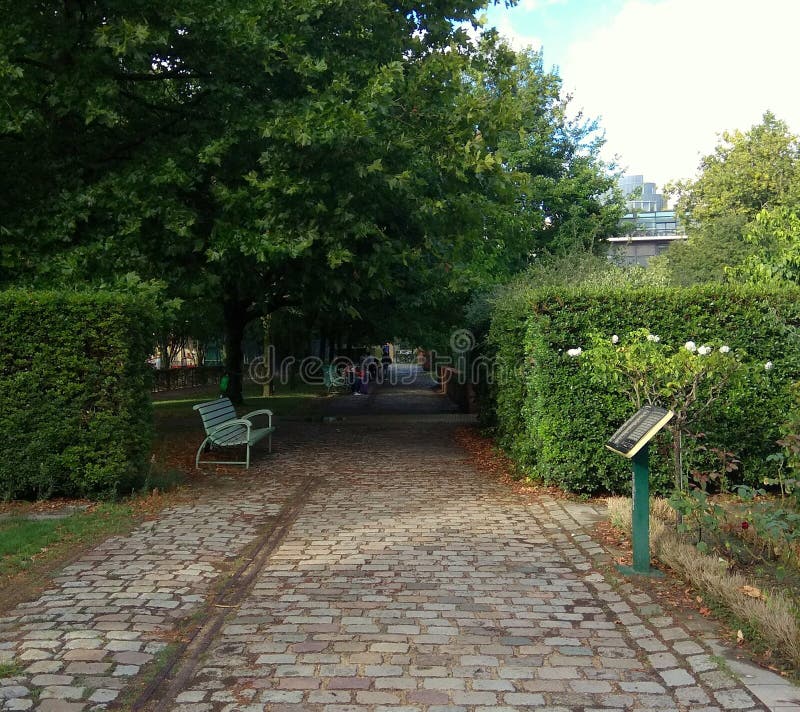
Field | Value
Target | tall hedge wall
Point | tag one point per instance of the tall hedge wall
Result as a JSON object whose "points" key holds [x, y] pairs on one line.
{"points": [[554, 421], [75, 411]]}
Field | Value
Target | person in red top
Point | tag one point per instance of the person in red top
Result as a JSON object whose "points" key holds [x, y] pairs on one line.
{"points": [[356, 376]]}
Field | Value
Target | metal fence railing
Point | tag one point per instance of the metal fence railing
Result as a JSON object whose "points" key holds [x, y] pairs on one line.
{"points": [[170, 379]]}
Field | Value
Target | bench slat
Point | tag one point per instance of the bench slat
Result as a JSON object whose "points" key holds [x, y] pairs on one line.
{"points": [[258, 433], [213, 413], [212, 406], [233, 435], [211, 423]]}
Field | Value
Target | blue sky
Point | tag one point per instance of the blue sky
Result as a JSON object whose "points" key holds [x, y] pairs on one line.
{"points": [[554, 25], [666, 77]]}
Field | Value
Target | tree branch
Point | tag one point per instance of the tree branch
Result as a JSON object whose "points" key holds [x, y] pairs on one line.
{"points": [[159, 77]]}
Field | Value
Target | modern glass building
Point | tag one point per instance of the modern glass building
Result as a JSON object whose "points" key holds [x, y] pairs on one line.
{"points": [[656, 223], [651, 234], [650, 228], [640, 195]]}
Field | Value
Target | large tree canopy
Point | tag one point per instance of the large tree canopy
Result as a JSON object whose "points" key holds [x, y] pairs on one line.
{"points": [[741, 203], [251, 154], [204, 130], [747, 172]]}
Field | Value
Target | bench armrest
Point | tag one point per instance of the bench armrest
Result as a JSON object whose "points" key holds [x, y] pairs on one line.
{"points": [[259, 412], [228, 423]]}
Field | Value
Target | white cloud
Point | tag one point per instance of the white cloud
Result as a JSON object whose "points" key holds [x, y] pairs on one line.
{"points": [[531, 5], [516, 39], [666, 78]]}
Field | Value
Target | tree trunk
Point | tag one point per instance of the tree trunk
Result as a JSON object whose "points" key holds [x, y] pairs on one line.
{"points": [[677, 458], [677, 461], [235, 322], [164, 352], [268, 388]]}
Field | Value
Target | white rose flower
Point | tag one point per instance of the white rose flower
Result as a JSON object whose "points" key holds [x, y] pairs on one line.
{"points": [[574, 352], [690, 346], [768, 366], [615, 339], [704, 350], [724, 349]]}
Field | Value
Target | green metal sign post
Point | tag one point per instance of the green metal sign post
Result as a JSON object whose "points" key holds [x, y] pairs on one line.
{"points": [[640, 517], [631, 441]]}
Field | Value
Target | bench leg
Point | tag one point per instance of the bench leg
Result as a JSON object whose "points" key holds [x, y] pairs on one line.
{"points": [[200, 450], [270, 442], [247, 466]]}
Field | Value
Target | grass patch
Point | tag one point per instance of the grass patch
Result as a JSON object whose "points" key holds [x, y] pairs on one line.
{"points": [[23, 540], [31, 550], [11, 669], [302, 400]]}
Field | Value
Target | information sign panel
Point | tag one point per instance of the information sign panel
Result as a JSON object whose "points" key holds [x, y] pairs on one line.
{"points": [[638, 430]]}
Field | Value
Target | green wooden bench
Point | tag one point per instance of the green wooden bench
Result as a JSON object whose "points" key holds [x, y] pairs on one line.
{"points": [[333, 379], [224, 429]]}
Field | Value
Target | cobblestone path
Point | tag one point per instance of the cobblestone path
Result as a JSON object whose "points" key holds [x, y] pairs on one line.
{"points": [[81, 642], [388, 575]]}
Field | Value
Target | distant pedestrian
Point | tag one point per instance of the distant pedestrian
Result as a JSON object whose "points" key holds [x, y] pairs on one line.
{"points": [[370, 365], [386, 357], [355, 377]]}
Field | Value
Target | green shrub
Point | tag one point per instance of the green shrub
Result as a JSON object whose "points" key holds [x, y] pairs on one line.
{"points": [[553, 416], [75, 411], [501, 397]]}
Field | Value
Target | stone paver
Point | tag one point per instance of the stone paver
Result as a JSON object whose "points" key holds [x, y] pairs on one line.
{"points": [[109, 612], [406, 582], [410, 581]]}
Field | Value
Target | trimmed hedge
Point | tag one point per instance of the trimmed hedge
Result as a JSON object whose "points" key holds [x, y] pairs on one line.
{"points": [[553, 420], [75, 409]]}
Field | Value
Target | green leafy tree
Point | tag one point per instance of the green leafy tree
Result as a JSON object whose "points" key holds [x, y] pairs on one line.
{"points": [[238, 150], [710, 251], [775, 238], [750, 174], [255, 154], [557, 196]]}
